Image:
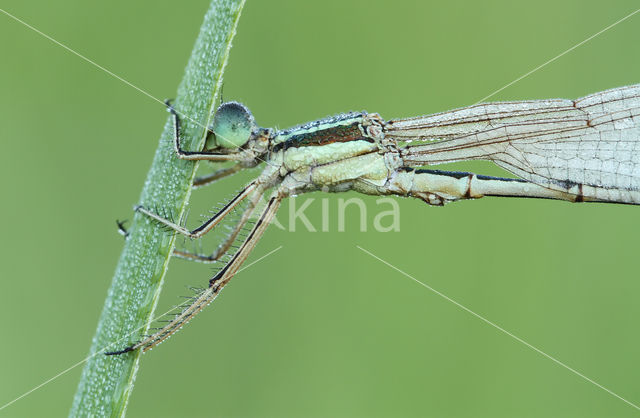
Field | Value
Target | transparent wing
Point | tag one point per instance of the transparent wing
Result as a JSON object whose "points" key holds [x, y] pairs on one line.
{"points": [[589, 147]]}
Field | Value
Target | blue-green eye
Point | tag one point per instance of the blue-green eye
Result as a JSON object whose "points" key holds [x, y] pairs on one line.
{"points": [[233, 124]]}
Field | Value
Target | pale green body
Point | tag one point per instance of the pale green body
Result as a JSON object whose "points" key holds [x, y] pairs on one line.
{"points": [[576, 150]]}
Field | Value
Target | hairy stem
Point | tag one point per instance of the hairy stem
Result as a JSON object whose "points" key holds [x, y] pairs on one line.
{"points": [[107, 381]]}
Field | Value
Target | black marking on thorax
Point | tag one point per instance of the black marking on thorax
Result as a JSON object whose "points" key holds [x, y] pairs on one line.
{"points": [[338, 129]]}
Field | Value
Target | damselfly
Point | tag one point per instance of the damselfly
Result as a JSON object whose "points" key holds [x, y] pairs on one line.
{"points": [[585, 150]]}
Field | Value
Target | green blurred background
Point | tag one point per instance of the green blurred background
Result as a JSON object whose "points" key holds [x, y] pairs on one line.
{"points": [[319, 328]]}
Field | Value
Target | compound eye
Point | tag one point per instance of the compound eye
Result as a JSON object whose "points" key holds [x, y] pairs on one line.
{"points": [[233, 124]]}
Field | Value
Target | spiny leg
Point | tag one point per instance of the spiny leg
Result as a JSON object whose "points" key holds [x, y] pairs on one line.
{"points": [[211, 222], [224, 246], [193, 155], [216, 175], [216, 283], [197, 183]]}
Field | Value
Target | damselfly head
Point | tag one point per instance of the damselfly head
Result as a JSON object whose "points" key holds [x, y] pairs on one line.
{"points": [[233, 125]]}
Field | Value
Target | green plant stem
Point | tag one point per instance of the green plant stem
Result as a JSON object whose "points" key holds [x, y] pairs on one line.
{"points": [[107, 381]]}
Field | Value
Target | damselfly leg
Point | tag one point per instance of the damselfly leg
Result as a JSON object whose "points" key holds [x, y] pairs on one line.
{"points": [[254, 192], [216, 175], [225, 245], [209, 223], [193, 155], [216, 283]]}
